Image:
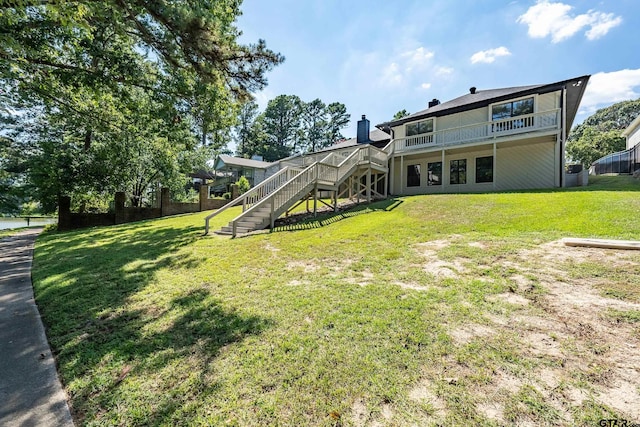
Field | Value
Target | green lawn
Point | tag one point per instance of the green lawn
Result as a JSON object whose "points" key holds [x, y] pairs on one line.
{"points": [[425, 310]]}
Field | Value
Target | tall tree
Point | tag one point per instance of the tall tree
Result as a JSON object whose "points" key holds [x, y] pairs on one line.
{"points": [[400, 114], [314, 125], [599, 134], [281, 123], [338, 120], [84, 65], [244, 134]]}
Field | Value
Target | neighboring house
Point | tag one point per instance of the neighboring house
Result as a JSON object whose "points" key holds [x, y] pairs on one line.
{"points": [[235, 167], [486, 140], [622, 162]]}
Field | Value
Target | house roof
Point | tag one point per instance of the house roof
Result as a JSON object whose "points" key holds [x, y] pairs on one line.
{"points": [[481, 98], [376, 135], [225, 160], [631, 128], [203, 174]]}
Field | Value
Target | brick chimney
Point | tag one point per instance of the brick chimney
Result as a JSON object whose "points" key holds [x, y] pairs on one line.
{"points": [[363, 130]]}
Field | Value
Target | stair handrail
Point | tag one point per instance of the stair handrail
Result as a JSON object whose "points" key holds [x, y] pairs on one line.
{"points": [[305, 177], [253, 191], [381, 155], [311, 171]]}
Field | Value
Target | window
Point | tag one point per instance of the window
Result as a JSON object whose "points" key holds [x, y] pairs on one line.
{"points": [[512, 109], [413, 176], [484, 169], [458, 172], [508, 110], [418, 128], [434, 173]]}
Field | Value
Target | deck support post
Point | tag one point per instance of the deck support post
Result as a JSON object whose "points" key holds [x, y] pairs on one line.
{"points": [[369, 184], [402, 172], [495, 165], [272, 216], [443, 169], [315, 200]]}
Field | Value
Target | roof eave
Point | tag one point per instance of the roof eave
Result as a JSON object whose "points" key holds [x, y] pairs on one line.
{"points": [[545, 88], [632, 126]]}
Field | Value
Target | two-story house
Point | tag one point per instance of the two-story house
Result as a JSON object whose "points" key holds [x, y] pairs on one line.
{"points": [[486, 140]]}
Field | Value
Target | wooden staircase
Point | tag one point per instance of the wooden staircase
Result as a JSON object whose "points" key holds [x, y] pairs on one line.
{"points": [[275, 196]]}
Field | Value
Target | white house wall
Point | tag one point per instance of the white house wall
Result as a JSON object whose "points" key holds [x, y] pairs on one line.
{"points": [[634, 138], [548, 101], [524, 164], [528, 165]]}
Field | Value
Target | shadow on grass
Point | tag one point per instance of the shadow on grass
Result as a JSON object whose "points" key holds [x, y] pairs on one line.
{"points": [[307, 221], [84, 283]]}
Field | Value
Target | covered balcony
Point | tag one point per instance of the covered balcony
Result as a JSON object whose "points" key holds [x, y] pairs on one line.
{"points": [[511, 127]]}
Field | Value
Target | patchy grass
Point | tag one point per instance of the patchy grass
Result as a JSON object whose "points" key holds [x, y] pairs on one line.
{"points": [[426, 310]]}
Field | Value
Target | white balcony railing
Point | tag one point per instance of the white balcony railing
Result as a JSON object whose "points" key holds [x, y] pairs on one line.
{"points": [[481, 131]]}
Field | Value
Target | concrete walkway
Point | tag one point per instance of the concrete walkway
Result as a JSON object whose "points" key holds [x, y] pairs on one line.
{"points": [[30, 392]]}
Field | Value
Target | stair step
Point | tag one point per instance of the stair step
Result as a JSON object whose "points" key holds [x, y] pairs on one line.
{"points": [[248, 225], [229, 230], [253, 219]]}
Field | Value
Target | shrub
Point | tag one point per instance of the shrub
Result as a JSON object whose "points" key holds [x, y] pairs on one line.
{"points": [[226, 196], [243, 185]]}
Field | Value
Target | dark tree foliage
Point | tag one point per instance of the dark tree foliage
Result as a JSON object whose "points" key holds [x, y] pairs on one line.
{"points": [[400, 114], [599, 135], [288, 126], [122, 94]]}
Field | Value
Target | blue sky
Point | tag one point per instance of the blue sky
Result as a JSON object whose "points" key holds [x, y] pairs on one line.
{"points": [[379, 57]]}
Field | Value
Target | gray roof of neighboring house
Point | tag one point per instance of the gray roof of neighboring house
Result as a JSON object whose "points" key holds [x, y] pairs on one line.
{"points": [[240, 162], [376, 135], [575, 89]]}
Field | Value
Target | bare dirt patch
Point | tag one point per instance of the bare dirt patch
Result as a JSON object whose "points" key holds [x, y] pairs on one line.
{"points": [[422, 393], [359, 413], [362, 278], [575, 351], [573, 328], [441, 268], [510, 298], [469, 332], [306, 266], [570, 348]]}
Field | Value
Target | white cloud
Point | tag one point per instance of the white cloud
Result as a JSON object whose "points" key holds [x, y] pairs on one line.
{"points": [[490, 55], [405, 66], [608, 88], [405, 69], [554, 19], [419, 58], [391, 74], [443, 71], [603, 25]]}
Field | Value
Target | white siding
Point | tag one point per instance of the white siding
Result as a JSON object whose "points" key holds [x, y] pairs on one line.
{"points": [[526, 167], [634, 138], [479, 115], [548, 101]]}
